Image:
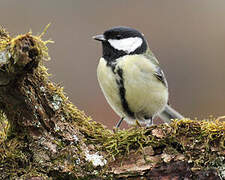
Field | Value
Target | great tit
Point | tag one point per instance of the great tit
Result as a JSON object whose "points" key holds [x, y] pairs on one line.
{"points": [[130, 77]]}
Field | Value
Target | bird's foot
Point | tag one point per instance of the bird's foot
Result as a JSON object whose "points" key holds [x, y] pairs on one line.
{"points": [[118, 125], [149, 123]]}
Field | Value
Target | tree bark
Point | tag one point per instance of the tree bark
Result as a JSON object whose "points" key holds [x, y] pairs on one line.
{"points": [[48, 137]]}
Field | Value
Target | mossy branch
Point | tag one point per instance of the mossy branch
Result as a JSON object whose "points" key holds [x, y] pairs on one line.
{"points": [[44, 135]]}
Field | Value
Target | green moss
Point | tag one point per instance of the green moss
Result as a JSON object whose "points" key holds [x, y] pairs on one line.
{"points": [[10, 49], [4, 127], [12, 156], [4, 38], [196, 139], [15, 161], [200, 141]]}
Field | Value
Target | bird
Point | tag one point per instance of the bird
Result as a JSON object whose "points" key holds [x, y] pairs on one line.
{"points": [[131, 79]]}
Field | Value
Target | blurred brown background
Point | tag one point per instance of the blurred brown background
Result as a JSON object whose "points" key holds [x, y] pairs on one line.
{"points": [[188, 37]]}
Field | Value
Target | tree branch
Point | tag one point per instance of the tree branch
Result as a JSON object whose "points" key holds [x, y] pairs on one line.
{"points": [[49, 137]]}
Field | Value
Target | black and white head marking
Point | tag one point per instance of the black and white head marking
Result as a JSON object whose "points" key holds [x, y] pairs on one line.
{"points": [[121, 41]]}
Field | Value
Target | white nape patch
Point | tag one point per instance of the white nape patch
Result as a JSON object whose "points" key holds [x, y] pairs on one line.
{"points": [[128, 44]]}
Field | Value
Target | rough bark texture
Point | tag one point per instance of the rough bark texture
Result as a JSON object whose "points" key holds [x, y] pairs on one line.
{"points": [[48, 137]]}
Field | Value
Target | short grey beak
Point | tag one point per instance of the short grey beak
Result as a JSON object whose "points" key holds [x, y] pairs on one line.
{"points": [[99, 37]]}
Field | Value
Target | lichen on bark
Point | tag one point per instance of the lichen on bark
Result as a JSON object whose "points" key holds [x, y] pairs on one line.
{"points": [[43, 135]]}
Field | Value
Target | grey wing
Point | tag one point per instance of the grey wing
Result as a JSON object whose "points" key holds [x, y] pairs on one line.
{"points": [[160, 76]]}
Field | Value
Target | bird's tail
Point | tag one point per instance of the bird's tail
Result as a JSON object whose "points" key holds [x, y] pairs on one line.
{"points": [[169, 113]]}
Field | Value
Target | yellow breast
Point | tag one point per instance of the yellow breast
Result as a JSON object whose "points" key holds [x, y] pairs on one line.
{"points": [[109, 87], [144, 93]]}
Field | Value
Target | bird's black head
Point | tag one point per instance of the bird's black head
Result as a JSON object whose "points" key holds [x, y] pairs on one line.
{"points": [[120, 41]]}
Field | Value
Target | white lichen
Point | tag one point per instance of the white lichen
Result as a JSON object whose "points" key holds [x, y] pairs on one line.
{"points": [[95, 159], [4, 56], [56, 128], [37, 124], [42, 88], [75, 138], [222, 172], [77, 161], [219, 164], [57, 100], [63, 118]]}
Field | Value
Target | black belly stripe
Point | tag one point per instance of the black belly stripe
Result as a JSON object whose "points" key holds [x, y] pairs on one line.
{"points": [[122, 92]]}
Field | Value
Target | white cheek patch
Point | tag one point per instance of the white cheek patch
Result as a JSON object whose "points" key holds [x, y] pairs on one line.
{"points": [[128, 44]]}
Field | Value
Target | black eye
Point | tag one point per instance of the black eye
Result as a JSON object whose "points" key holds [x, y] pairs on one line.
{"points": [[118, 36]]}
